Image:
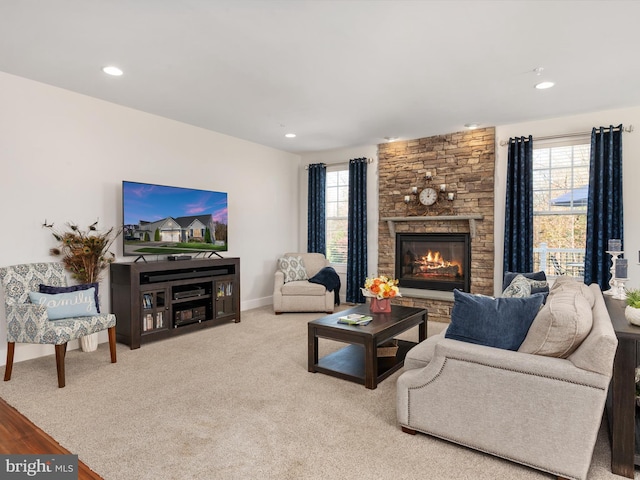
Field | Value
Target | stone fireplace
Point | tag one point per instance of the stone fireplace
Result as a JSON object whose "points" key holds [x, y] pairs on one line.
{"points": [[433, 261], [464, 162]]}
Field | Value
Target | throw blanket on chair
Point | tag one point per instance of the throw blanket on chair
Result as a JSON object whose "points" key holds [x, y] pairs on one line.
{"points": [[330, 279]]}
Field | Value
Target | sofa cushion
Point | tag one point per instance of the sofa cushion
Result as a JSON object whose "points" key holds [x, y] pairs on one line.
{"points": [[303, 287], [80, 303], [540, 276], [518, 288], [313, 262], [293, 268], [73, 288], [571, 284], [522, 286], [562, 324], [494, 322], [597, 351]]}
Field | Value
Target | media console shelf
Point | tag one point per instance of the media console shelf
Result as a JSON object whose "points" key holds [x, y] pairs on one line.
{"points": [[158, 300]]}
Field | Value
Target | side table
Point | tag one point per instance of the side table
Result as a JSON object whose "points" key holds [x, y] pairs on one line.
{"points": [[621, 409]]}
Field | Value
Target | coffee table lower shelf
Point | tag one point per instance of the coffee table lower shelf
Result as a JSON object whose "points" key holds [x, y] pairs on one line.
{"points": [[348, 363]]}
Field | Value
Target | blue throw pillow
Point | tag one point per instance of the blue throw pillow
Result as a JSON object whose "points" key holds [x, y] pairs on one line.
{"points": [[494, 322], [66, 305], [541, 276], [73, 288]]}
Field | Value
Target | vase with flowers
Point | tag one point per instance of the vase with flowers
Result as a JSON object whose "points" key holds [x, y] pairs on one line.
{"points": [[85, 254], [381, 290]]}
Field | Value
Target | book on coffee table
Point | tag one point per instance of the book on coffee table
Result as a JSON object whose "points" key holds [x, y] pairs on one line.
{"points": [[355, 319]]}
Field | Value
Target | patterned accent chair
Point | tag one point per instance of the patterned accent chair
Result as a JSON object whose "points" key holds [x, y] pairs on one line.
{"points": [[29, 323]]}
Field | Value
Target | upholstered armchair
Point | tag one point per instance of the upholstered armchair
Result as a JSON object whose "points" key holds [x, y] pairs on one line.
{"points": [[29, 323], [292, 290]]}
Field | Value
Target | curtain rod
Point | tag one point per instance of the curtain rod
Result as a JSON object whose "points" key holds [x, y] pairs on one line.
{"points": [[628, 129], [369, 160]]}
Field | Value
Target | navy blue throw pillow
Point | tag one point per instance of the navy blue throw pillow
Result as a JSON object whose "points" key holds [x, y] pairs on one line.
{"points": [[73, 288], [493, 322], [509, 276]]}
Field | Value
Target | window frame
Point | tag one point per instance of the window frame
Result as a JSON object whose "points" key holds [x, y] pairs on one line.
{"points": [[337, 169], [577, 172]]}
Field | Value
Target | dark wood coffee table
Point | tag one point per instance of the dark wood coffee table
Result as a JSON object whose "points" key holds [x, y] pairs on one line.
{"points": [[358, 362]]}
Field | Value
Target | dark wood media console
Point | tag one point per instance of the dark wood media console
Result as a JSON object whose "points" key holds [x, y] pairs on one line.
{"points": [[158, 300], [621, 402]]}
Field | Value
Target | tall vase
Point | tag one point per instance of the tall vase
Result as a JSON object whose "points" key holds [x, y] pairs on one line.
{"points": [[89, 343], [380, 305]]}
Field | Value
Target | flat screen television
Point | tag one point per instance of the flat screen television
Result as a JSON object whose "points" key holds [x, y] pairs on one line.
{"points": [[163, 220]]}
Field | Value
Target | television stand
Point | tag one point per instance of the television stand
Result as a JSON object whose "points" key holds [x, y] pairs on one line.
{"points": [[158, 300]]}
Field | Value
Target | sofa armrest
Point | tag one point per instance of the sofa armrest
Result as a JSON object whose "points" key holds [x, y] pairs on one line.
{"points": [[420, 355], [535, 365], [539, 411], [278, 281]]}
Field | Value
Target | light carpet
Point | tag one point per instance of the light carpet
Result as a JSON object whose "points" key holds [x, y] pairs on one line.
{"points": [[235, 402]]}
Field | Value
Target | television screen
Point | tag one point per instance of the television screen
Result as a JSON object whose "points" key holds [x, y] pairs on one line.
{"points": [[163, 220]]}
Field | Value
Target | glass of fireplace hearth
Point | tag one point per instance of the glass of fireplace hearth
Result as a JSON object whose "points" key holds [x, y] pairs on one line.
{"points": [[433, 261]]}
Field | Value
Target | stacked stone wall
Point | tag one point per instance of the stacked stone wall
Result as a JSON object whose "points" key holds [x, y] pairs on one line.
{"points": [[465, 163]]}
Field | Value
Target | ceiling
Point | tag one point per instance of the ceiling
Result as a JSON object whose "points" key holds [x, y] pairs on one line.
{"points": [[338, 73]]}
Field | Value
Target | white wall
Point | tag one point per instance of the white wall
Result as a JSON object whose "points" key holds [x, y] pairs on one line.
{"points": [[575, 124], [64, 156], [332, 157]]}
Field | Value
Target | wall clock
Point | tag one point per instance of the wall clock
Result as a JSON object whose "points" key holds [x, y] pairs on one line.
{"points": [[428, 196]]}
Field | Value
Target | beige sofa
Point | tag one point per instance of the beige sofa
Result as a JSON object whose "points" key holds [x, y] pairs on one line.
{"points": [[302, 295], [536, 410]]}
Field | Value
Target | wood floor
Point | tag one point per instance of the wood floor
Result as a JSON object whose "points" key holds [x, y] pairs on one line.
{"points": [[19, 435]]}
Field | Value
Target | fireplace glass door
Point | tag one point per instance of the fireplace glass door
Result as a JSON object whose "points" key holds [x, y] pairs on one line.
{"points": [[433, 261]]}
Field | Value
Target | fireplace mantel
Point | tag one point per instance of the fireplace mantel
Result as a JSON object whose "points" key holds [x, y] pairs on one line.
{"points": [[391, 221]]}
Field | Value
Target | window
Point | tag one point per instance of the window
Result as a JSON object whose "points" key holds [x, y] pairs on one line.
{"points": [[337, 212], [560, 191]]}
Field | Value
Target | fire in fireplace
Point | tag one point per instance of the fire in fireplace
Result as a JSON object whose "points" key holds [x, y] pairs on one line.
{"points": [[433, 261]]}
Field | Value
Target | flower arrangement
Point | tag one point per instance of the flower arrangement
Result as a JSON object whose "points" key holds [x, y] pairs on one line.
{"points": [[381, 287], [85, 253]]}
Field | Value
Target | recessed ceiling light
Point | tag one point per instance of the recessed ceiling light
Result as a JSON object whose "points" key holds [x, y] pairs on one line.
{"points": [[391, 139], [544, 85], [290, 135], [111, 70], [472, 126]]}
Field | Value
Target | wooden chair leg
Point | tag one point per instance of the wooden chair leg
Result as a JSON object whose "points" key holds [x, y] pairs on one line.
{"points": [[408, 430], [112, 343], [60, 354], [9, 366]]}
